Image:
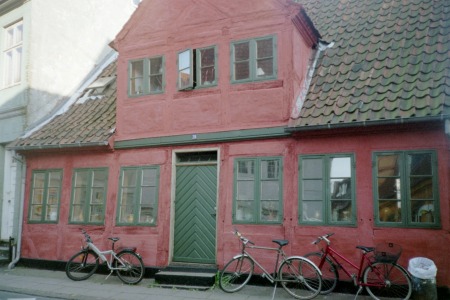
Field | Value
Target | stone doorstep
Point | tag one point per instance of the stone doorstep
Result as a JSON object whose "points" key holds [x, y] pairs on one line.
{"points": [[185, 279]]}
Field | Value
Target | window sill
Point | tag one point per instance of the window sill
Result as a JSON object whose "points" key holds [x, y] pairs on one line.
{"points": [[244, 86]]}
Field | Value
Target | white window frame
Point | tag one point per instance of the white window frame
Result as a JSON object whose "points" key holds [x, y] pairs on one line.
{"points": [[12, 54]]}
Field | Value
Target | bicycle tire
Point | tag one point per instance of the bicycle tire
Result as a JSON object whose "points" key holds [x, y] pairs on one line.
{"points": [[82, 265], [133, 271], [397, 283], [300, 278], [330, 274], [236, 274]]}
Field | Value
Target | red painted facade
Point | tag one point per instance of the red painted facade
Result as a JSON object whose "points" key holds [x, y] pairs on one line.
{"points": [[156, 29]]}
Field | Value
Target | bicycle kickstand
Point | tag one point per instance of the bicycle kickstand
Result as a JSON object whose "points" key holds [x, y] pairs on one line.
{"points": [[110, 273], [359, 291], [274, 290]]}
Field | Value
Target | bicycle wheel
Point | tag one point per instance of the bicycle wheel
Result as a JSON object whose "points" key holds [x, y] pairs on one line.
{"points": [[82, 265], [387, 281], [130, 267], [330, 274], [300, 278], [236, 274]]}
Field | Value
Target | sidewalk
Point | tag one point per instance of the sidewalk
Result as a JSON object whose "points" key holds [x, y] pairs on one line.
{"points": [[45, 283]]}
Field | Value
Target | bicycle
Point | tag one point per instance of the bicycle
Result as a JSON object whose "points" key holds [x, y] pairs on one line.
{"points": [[382, 277], [298, 275], [126, 263]]}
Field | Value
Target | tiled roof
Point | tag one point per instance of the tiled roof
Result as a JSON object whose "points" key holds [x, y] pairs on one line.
{"points": [[390, 61], [89, 122]]}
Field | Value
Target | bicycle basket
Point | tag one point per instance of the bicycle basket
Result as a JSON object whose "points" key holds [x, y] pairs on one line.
{"points": [[387, 252]]}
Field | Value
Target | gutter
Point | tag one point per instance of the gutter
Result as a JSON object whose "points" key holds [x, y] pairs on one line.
{"points": [[369, 123], [58, 146]]}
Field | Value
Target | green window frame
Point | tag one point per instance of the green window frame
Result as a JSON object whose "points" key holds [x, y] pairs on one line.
{"points": [[327, 189], [406, 189], [197, 68], [146, 76], [138, 196], [254, 59], [45, 196], [258, 190], [89, 188]]}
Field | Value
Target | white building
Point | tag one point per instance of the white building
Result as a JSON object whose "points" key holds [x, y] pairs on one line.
{"points": [[47, 50]]}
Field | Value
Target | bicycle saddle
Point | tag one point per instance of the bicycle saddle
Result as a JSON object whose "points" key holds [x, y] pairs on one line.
{"points": [[367, 249], [114, 239], [281, 242]]}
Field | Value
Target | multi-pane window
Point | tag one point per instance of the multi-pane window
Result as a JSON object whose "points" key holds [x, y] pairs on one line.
{"points": [[45, 195], [258, 190], [253, 60], [146, 76], [138, 196], [406, 191], [326, 189], [88, 196], [197, 68], [12, 54]]}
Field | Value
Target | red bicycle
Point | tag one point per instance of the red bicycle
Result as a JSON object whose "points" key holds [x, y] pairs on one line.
{"points": [[382, 277]]}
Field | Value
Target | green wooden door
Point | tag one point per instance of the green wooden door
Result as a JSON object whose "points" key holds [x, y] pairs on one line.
{"points": [[195, 214]]}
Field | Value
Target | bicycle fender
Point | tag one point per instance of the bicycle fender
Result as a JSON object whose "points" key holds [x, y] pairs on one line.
{"points": [[304, 258], [240, 255], [132, 249]]}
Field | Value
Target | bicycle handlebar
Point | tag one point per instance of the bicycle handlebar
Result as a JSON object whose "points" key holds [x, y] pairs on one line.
{"points": [[323, 238], [242, 238], [86, 236]]}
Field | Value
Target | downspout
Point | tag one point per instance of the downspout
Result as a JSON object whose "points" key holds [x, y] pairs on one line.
{"points": [[22, 200]]}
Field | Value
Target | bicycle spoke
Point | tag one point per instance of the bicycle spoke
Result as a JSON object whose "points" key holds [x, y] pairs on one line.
{"points": [[236, 274], [300, 278], [387, 281], [130, 267]]}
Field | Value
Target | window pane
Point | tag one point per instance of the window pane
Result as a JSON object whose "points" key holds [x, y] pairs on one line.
{"points": [[36, 212], [390, 211], [156, 83], [420, 164], [127, 196], [422, 212], [340, 167], [126, 214], [269, 211], [388, 165], [149, 177], [340, 188], [96, 213], [269, 169], [245, 211], [184, 60], [38, 196], [156, 65], [39, 180], [312, 168], [245, 190], [341, 211], [264, 48], [184, 69], [241, 71], [312, 211], [54, 179], [389, 188], [246, 170], [264, 67], [270, 190], [241, 51], [421, 187], [81, 178], [137, 77], [312, 189], [129, 178], [207, 57]]}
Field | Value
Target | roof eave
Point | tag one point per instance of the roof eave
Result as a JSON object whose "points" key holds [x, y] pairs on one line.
{"points": [[369, 123]]}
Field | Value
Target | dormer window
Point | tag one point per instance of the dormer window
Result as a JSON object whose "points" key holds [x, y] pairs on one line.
{"points": [[146, 76], [197, 68], [253, 60]]}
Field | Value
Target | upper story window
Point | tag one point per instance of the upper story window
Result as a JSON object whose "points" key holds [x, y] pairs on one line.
{"points": [[327, 190], [146, 76], [253, 60], [45, 196], [12, 54], [197, 68], [406, 189]]}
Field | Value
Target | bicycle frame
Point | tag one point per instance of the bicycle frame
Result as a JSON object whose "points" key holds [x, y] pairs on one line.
{"points": [[330, 252], [102, 256], [266, 274]]}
